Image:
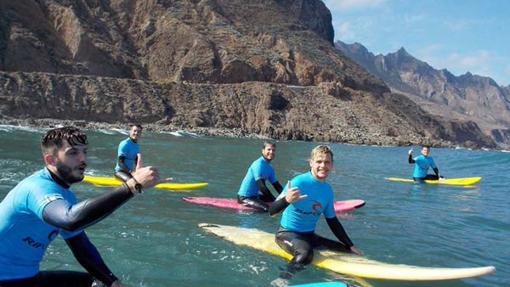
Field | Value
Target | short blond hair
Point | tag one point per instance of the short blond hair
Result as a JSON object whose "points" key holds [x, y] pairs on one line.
{"points": [[321, 149]]}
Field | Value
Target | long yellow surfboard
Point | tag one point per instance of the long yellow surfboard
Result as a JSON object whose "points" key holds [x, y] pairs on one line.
{"points": [[113, 182], [465, 181], [344, 263]]}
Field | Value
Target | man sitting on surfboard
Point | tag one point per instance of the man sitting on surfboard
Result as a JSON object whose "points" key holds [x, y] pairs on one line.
{"points": [[253, 191], [128, 153], [42, 206], [422, 163], [307, 197]]}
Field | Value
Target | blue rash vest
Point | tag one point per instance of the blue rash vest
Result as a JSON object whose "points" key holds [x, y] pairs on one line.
{"points": [[302, 216], [129, 149], [24, 236], [422, 165], [259, 169]]}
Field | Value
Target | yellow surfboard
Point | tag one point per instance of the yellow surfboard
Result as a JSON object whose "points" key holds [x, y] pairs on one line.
{"points": [[344, 263], [113, 182], [465, 181]]}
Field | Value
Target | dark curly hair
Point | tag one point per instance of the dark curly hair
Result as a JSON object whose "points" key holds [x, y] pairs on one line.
{"points": [[54, 138]]}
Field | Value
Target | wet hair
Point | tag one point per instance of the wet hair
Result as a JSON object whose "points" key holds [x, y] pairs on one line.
{"points": [[426, 145], [321, 149], [266, 143], [131, 125], [55, 139]]}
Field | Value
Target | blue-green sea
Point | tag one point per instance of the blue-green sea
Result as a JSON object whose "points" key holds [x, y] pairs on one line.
{"points": [[153, 240]]}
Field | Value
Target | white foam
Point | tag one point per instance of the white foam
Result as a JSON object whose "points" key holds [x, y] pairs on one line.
{"points": [[182, 133], [10, 128], [120, 131], [113, 131]]}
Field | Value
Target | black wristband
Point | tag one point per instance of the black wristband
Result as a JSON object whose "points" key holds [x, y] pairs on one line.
{"points": [[138, 186]]}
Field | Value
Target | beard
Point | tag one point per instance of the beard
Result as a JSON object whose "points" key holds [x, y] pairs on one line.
{"points": [[66, 174]]}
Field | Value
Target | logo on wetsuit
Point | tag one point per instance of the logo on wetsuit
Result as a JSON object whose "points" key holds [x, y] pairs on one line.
{"points": [[316, 209], [32, 243]]}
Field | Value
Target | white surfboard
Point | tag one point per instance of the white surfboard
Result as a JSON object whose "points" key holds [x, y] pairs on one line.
{"points": [[344, 263]]}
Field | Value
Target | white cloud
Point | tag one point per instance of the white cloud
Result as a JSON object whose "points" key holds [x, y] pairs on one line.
{"points": [[478, 62], [413, 19], [344, 31], [458, 25], [344, 5], [355, 30], [507, 71]]}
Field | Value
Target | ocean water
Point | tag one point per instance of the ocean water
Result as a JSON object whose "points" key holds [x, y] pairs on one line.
{"points": [[153, 240]]}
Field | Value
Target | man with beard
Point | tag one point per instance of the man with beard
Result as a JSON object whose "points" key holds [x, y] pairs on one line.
{"points": [[42, 206], [128, 153], [253, 191]]}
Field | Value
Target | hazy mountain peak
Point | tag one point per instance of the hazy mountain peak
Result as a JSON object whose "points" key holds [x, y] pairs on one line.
{"points": [[402, 56], [402, 51], [467, 96]]}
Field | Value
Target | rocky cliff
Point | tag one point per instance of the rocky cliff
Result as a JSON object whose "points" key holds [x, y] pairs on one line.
{"points": [[267, 67], [466, 97], [198, 41]]}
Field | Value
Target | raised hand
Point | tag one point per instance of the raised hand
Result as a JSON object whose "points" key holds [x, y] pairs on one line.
{"points": [[147, 176], [410, 152], [292, 194]]}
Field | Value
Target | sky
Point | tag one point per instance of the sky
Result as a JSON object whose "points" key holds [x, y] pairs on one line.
{"points": [[458, 35]]}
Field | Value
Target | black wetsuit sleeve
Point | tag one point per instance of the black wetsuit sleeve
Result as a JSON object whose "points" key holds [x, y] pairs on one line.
{"points": [[278, 206], [338, 230], [410, 159], [122, 163], [436, 170], [88, 256], [261, 183], [278, 187], [62, 214]]}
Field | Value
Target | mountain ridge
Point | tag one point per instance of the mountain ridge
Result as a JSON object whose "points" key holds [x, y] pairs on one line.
{"points": [[267, 67], [463, 97]]}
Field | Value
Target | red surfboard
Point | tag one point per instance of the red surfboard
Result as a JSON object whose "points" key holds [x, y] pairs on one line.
{"points": [[230, 203]]}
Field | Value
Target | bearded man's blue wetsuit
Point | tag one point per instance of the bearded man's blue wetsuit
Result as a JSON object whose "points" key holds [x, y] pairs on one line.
{"points": [[33, 214], [42, 206], [253, 191]]}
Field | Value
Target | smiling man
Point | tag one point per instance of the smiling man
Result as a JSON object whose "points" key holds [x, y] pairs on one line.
{"points": [[42, 206], [253, 191], [307, 197]]}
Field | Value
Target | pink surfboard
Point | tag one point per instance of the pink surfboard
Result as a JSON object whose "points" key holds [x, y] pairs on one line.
{"points": [[230, 203]]}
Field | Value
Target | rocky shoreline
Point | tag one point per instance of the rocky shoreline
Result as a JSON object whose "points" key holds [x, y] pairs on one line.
{"points": [[202, 131], [153, 127]]}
